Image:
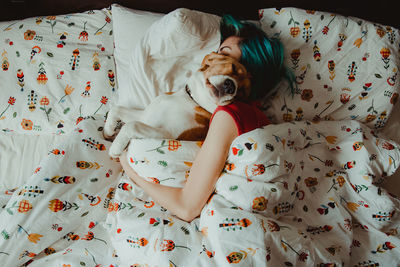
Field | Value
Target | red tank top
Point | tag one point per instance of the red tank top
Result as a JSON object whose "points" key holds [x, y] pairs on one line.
{"points": [[247, 116]]}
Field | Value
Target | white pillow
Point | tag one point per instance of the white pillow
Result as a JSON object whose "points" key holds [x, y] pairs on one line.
{"points": [[168, 53], [129, 27]]}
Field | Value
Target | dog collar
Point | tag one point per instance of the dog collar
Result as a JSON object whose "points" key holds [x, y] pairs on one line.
{"points": [[187, 89]]}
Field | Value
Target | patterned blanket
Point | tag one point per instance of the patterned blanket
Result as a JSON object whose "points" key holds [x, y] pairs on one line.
{"points": [[292, 194]]}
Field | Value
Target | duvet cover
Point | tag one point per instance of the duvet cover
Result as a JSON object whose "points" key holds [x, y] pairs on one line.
{"points": [[56, 71], [292, 194], [297, 193]]}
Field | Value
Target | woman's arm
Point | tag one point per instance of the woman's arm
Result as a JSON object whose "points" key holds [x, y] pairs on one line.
{"points": [[187, 202]]}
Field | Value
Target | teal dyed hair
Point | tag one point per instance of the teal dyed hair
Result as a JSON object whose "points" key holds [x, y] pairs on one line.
{"points": [[261, 55]]}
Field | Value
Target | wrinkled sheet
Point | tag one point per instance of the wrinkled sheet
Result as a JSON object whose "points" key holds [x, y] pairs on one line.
{"points": [[60, 71], [293, 194]]}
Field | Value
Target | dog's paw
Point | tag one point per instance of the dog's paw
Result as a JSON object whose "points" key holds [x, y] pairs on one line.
{"points": [[120, 143], [116, 150], [112, 125], [110, 138], [110, 131]]}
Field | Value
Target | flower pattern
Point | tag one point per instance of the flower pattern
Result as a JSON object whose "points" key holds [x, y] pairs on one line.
{"points": [[339, 79], [305, 182], [28, 35], [27, 124], [320, 187], [47, 51]]}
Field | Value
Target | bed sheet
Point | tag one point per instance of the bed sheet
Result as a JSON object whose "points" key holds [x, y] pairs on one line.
{"points": [[67, 233], [297, 194], [78, 208], [20, 155], [337, 61], [56, 71], [391, 130]]}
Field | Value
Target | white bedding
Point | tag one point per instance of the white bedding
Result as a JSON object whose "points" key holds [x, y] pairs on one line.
{"points": [[298, 194], [153, 70], [59, 71], [101, 218], [20, 156]]}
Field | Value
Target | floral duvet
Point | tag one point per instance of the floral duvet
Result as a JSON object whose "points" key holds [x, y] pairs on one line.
{"points": [[292, 194]]}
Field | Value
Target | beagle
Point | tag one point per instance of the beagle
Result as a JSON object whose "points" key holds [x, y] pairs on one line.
{"points": [[185, 114]]}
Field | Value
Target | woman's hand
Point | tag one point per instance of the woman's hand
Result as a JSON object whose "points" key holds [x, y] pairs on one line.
{"points": [[187, 202]]}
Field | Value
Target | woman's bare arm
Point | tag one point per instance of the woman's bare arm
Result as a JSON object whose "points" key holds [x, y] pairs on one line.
{"points": [[187, 202]]}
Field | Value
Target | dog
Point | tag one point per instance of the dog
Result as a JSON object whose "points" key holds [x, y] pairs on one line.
{"points": [[185, 114]]}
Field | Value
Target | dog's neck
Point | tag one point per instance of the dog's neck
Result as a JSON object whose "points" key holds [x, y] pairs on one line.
{"points": [[198, 92]]}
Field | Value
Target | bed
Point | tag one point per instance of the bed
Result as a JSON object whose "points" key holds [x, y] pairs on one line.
{"points": [[318, 187]]}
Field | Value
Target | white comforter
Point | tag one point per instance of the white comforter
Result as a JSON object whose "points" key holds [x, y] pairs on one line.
{"points": [[293, 194]]}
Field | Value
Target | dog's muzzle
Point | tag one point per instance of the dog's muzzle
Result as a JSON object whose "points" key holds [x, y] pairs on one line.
{"points": [[222, 85], [229, 86]]}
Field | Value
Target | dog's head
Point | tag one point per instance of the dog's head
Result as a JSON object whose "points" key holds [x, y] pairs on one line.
{"points": [[225, 77], [222, 80]]}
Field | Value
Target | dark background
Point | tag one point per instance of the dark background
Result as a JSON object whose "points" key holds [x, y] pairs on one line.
{"points": [[380, 11]]}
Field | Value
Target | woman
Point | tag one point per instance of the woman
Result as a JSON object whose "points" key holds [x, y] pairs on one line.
{"points": [[263, 58]]}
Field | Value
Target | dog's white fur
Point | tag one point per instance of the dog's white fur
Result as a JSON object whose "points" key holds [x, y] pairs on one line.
{"points": [[188, 110]]}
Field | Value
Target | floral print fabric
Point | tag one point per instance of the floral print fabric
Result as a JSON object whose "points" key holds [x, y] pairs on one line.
{"points": [[300, 194], [55, 71], [344, 67], [58, 215]]}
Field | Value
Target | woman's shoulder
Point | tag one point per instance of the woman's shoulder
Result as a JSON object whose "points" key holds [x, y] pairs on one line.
{"points": [[242, 109], [222, 128], [246, 115]]}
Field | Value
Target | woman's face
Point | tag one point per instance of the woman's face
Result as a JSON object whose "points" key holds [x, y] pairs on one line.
{"points": [[230, 47]]}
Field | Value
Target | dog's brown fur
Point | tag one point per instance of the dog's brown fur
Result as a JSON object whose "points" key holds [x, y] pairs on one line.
{"points": [[202, 117], [216, 63]]}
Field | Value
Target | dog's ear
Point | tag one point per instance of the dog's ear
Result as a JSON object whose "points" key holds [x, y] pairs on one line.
{"points": [[247, 87], [244, 89], [204, 64], [207, 60], [204, 67]]}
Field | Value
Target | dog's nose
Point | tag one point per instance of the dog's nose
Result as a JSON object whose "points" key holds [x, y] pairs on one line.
{"points": [[229, 86]]}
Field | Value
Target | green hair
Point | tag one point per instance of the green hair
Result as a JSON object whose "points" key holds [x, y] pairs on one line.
{"points": [[261, 55]]}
